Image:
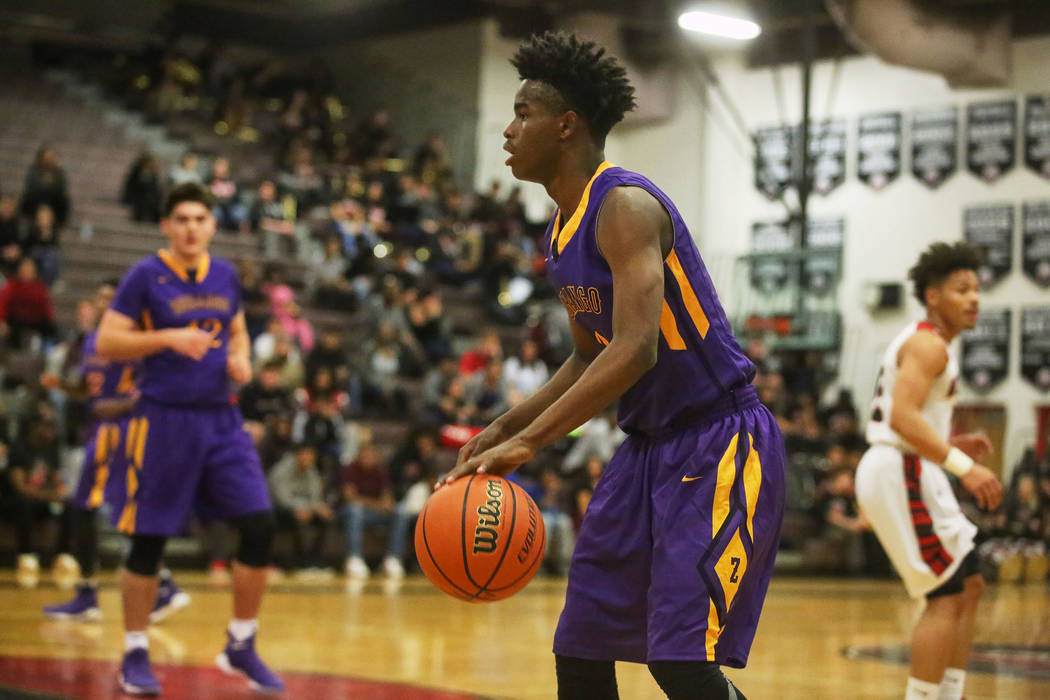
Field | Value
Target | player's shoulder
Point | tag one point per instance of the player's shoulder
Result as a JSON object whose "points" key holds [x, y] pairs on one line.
{"points": [[222, 268], [926, 345]]}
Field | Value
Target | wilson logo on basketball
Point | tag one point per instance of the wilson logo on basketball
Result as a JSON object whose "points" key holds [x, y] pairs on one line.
{"points": [[485, 534]]}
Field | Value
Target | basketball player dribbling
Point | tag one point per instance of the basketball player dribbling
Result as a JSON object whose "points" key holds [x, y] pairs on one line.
{"points": [[675, 551], [901, 483]]}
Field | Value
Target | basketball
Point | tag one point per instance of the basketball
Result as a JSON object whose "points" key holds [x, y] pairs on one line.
{"points": [[480, 538]]}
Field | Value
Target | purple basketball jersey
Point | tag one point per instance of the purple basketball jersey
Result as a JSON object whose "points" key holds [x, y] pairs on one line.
{"points": [[697, 349], [158, 293], [103, 467], [676, 548]]}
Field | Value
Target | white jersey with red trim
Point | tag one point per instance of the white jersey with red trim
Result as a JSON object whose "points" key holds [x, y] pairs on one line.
{"points": [[940, 401]]}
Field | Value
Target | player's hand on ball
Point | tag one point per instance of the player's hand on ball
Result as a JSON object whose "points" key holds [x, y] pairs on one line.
{"points": [[499, 460], [488, 438], [983, 484], [191, 342], [239, 369]]}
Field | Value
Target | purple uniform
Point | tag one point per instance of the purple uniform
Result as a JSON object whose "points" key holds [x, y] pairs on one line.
{"points": [[102, 473], [186, 443], [676, 549]]}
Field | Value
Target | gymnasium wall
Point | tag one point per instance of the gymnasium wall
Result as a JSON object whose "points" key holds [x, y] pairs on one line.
{"points": [[427, 79], [885, 230]]}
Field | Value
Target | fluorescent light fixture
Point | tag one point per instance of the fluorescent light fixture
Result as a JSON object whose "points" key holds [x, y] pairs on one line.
{"points": [[718, 25]]}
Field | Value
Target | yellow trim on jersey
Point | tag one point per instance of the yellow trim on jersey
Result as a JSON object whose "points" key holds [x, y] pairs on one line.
{"points": [[202, 271], [135, 448], [692, 304], [601, 338], [752, 485], [147, 320], [669, 328], [565, 235], [719, 513]]}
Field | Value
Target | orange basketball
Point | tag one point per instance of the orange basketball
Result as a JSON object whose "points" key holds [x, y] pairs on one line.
{"points": [[480, 538]]}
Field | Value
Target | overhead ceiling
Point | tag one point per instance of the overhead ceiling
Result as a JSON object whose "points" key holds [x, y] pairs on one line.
{"points": [[302, 24]]}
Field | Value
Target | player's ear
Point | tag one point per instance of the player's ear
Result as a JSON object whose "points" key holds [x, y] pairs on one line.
{"points": [[933, 294], [569, 124]]}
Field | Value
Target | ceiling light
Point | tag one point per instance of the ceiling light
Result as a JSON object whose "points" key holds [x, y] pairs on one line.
{"points": [[718, 25]]}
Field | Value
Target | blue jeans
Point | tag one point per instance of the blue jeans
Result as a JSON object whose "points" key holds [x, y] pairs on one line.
{"points": [[357, 518]]}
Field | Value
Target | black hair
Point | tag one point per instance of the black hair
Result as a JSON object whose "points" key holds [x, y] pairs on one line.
{"points": [[939, 261], [592, 84], [188, 192]]}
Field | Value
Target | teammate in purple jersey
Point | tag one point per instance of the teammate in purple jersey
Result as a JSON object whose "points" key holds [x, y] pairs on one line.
{"points": [[180, 312], [111, 394], [676, 548]]}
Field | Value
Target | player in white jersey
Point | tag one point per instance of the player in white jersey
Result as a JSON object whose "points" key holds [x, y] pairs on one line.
{"points": [[901, 484]]}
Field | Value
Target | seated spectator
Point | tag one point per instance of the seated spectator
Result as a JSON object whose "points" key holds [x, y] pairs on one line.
{"points": [[554, 502], [37, 493], [187, 170], [413, 469], [274, 220], [484, 391], [285, 310], [41, 244], [276, 442], [358, 237], [599, 437], [435, 384], [263, 399], [381, 390], [426, 320], [585, 483], [12, 235], [255, 301], [25, 307], [304, 184], [489, 348], [229, 212], [46, 184], [525, 373], [369, 502], [332, 289], [142, 189], [299, 503], [320, 424]]}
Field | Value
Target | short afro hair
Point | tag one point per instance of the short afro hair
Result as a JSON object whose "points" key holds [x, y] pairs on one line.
{"points": [[593, 85], [188, 192], [939, 261]]}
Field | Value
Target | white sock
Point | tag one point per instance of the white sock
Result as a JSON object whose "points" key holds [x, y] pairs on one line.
{"points": [[952, 684], [921, 690], [164, 574], [241, 630], [135, 640]]}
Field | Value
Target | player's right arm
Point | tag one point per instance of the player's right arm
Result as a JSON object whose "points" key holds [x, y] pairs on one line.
{"points": [[120, 338], [922, 359], [585, 349]]}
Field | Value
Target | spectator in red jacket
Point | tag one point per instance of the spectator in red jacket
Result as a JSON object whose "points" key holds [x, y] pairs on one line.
{"points": [[25, 306]]}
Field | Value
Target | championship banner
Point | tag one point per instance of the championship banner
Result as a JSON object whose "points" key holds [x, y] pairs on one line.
{"points": [[1035, 346], [1037, 134], [991, 138], [934, 145], [985, 357], [1035, 243], [827, 150], [770, 272], [990, 228], [879, 149], [822, 267], [774, 160]]}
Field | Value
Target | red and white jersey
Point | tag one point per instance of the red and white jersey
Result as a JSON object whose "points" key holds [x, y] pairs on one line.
{"points": [[940, 401]]}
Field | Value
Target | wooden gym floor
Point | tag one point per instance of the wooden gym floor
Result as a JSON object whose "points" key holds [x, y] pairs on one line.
{"points": [[818, 639]]}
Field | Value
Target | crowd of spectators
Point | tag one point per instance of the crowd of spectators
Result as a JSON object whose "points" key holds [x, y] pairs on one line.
{"points": [[347, 220]]}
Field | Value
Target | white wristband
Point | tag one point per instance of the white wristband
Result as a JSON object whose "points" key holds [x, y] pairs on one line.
{"points": [[958, 462]]}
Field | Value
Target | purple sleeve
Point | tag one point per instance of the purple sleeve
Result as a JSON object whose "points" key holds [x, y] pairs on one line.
{"points": [[130, 298]]}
